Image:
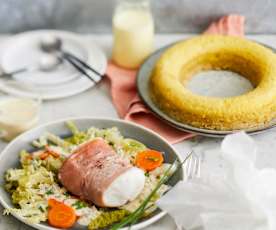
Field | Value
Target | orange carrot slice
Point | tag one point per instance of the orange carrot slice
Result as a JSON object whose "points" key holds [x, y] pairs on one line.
{"points": [[43, 155], [61, 215], [51, 152], [149, 159], [52, 203], [48, 153], [30, 157]]}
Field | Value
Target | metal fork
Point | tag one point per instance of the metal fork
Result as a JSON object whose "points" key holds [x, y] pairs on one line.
{"points": [[192, 167]]}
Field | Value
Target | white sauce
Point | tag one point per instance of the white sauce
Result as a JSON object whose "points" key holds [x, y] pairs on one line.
{"points": [[17, 116]]}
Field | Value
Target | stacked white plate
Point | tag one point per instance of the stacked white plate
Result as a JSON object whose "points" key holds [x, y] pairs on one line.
{"points": [[23, 50]]}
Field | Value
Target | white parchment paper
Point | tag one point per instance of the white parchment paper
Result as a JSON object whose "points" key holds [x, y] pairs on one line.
{"points": [[243, 198]]}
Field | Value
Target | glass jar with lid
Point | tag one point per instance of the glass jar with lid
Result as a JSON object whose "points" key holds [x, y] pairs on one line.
{"points": [[133, 32]]}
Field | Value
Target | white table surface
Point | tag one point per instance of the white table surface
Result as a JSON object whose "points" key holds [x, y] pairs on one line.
{"points": [[96, 102]]}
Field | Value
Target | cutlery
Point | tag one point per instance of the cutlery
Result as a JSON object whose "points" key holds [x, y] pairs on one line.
{"points": [[192, 167], [46, 63], [52, 44]]}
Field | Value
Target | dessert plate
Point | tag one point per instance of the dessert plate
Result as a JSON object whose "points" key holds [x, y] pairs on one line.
{"points": [[143, 78]]}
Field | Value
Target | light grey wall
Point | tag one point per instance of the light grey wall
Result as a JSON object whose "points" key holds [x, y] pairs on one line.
{"points": [[95, 15]]}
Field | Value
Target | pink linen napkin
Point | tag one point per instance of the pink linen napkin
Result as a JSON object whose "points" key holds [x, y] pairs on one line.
{"points": [[232, 24], [124, 93]]}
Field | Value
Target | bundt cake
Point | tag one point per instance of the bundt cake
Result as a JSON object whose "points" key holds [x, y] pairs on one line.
{"points": [[183, 60]]}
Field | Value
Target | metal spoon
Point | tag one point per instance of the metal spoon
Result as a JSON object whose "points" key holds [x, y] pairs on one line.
{"points": [[52, 44], [46, 63]]}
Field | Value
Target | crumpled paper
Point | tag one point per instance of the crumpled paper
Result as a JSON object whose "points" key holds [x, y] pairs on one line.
{"points": [[244, 198]]}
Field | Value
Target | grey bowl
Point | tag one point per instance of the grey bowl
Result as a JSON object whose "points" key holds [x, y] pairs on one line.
{"points": [[9, 157]]}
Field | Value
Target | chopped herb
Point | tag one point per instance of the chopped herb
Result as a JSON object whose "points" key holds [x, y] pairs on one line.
{"points": [[154, 159], [147, 174], [79, 204], [41, 209], [106, 219], [50, 192], [66, 194]]}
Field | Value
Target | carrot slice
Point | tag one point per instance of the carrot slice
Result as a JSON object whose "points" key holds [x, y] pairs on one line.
{"points": [[52, 203], [61, 215], [149, 159], [52, 153], [48, 153], [30, 157], [43, 155]]}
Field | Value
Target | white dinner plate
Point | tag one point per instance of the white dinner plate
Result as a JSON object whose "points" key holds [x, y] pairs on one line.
{"points": [[9, 157], [63, 82]]}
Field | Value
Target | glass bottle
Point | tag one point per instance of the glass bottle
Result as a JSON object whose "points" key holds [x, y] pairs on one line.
{"points": [[133, 32]]}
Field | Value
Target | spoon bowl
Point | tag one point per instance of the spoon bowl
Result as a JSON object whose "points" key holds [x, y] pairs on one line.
{"points": [[50, 44]]}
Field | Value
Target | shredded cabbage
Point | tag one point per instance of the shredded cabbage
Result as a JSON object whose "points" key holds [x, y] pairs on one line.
{"points": [[48, 138], [131, 147], [24, 186]]}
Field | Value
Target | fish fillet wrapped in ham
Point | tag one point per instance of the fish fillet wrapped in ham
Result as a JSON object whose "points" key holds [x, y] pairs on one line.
{"points": [[95, 172]]}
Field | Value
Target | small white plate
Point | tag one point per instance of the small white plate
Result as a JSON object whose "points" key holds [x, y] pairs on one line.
{"points": [[63, 82], [23, 50]]}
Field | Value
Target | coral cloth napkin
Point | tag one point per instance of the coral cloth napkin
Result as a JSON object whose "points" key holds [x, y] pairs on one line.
{"points": [[127, 102]]}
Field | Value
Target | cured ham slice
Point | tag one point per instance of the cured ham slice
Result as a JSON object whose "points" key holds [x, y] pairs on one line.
{"points": [[95, 172]]}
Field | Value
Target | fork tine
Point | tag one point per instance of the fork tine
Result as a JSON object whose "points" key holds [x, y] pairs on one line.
{"points": [[198, 168], [192, 168], [187, 167]]}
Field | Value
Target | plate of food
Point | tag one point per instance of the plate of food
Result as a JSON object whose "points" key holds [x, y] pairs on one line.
{"points": [[162, 80], [87, 173]]}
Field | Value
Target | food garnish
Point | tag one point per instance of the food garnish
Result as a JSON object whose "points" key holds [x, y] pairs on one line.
{"points": [[61, 215], [43, 155], [79, 204], [149, 159], [107, 218]]}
